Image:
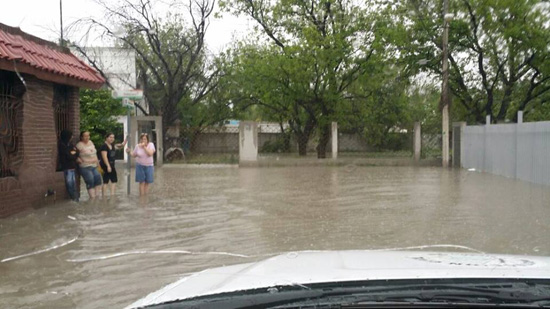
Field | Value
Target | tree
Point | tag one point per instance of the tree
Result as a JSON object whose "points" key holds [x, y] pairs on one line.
{"points": [[381, 105], [498, 53], [311, 53], [98, 111], [173, 65], [275, 86]]}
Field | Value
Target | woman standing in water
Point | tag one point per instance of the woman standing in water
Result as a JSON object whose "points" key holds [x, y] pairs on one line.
{"points": [[68, 156], [107, 153], [143, 152], [87, 163]]}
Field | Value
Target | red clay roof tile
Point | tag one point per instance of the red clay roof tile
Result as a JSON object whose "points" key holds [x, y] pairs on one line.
{"points": [[18, 46]]}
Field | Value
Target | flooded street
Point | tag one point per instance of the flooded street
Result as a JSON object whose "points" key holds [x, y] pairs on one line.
{"points": [[110, 253]]}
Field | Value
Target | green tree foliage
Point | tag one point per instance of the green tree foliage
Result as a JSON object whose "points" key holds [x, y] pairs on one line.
{"points": [[498, 53], [312, 52], [173, 68], [376, 117], [98, 112]]}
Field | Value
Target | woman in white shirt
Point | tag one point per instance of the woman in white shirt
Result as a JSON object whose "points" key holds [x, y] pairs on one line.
{"points": [[87, 163]]}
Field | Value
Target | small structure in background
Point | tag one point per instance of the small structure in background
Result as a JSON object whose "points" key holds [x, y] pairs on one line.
{"points": [[39, 83]]}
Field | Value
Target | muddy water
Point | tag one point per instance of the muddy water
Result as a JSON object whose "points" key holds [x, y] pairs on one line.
{"points": [[112, 252]]}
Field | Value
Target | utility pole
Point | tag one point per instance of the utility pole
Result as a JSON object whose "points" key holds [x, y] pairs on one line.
{"points": [[129, 139], [445, 85], [62, 43]]}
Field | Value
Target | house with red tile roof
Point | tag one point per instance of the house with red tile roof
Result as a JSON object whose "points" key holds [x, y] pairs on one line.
{"points": [[39, 86]]}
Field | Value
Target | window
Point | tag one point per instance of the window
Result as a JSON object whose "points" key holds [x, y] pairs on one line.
{"points": [[11, 98], [61, 112], [61, 108]]}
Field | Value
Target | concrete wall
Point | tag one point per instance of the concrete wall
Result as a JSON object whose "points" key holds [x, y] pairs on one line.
{"points": [[216, 143], [38, 145], [353, 143], [227, 142], [224, 142], [520, 151]]}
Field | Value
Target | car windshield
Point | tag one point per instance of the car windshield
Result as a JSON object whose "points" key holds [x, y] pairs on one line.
{"points": [[291, 143]]}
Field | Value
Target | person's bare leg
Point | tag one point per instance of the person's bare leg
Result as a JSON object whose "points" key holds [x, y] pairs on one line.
{"points": [[112, 189], [141, 188], [146, 188], [103, 191], [91, 193], [98, 190]]}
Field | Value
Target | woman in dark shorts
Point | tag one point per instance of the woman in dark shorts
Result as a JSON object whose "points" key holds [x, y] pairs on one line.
{"points": [[107, 153]]}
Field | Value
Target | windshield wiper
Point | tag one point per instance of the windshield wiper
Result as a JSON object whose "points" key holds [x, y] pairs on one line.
{"points": [[455, 295], [391, 293]]}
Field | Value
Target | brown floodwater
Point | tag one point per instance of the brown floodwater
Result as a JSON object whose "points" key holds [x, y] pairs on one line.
{"points": [[110, 253]]}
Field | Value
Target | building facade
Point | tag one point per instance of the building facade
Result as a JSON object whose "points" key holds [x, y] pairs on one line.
{"points": [[39, 86]]}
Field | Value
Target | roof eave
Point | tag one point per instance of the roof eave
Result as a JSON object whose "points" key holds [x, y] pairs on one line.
{"points": [[15, 66]]}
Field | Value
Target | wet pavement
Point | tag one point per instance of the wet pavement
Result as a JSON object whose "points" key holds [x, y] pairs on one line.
{"points": [[109, 253]]}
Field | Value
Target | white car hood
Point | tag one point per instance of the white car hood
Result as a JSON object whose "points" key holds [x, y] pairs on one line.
{"points": [[307, 267]]}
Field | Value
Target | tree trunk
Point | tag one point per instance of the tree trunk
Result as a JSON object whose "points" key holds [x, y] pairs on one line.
{"points": [[194, 140], [302, 145], [324, 136], [505, 103], [286, 138]]}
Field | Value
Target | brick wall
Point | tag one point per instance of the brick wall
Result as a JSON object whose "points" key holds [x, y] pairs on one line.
{"points": [[11, 197], [39, 146]]}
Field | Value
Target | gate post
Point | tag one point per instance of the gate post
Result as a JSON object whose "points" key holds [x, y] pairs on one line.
{"points": [[417, 144], [457, 137], [248, 143], [334, 139]]}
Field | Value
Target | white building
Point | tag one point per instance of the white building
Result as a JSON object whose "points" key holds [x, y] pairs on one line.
{"points": [[118, 65]]}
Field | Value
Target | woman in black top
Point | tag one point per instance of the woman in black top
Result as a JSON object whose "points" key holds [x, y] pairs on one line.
{"points": [[67, 160], [107, 153]]}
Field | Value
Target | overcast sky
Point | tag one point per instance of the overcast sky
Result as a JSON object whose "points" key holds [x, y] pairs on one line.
{"points": [[41, 18]]}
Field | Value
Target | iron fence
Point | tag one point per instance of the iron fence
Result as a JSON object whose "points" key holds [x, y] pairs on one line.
{"points": [[432, 145]]}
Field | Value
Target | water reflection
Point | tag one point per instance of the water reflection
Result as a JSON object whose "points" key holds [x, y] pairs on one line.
{"points": [[112, 252]]}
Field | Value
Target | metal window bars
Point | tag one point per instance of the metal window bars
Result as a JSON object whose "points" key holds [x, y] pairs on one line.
{"points": [[10, 124], [61, 112], [61, 109]]}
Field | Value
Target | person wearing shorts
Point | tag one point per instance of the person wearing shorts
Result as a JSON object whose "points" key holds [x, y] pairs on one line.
{"points": [[107, 154], [143, 152], [87, 163]]}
